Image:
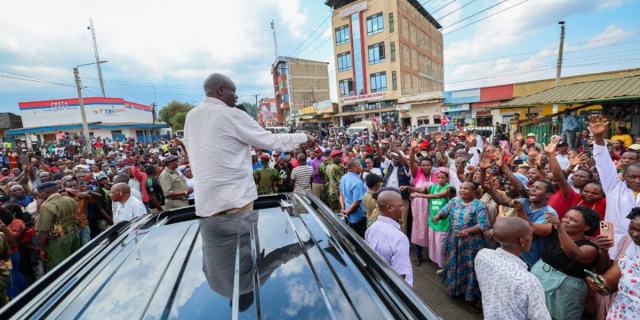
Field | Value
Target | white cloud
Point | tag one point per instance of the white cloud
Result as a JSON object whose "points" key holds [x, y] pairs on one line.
{"points": [[610, 35], [290, 12]]}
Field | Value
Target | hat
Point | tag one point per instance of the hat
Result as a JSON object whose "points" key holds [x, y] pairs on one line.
{"points": [[336, 153], [318, 150], [522, 178], [372, 178], [170, 159], [533, 135], [327, 152], [47, 185], [393, 154], [265, 156], [276, 154], [101, 176], [565, 144], [531, 141], [385, 141], [253, 153], [634, 147]]}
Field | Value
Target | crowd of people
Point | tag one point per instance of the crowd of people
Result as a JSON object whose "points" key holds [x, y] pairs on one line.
{"points": [[57, 196], [511, 222]]}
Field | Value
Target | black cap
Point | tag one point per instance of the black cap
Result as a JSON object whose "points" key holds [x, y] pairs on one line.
{"points": [[563, 144], [170, 159], [47, 185]]}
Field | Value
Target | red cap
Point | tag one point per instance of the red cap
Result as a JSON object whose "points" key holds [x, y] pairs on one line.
{"points": [[318, 150], [336, 153], [265, 156], [276, 154]]}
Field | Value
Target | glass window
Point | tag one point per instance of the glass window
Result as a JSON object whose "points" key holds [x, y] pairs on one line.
{"points": [[393, 52], [375, 24], [394, 80], [355, 107], [391, 24], [342, 35], [346, 87], [378, 82], [376, 53], [344, 61]]}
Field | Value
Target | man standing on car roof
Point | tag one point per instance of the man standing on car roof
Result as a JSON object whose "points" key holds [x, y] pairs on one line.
{"points": [[216, 129]]}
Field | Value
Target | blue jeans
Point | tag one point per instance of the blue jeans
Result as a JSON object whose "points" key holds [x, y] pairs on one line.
{"points": [[418, 251], [85, 235]]}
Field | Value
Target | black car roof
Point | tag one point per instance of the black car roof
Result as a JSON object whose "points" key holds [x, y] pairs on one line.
{"points": [[277, 262]]}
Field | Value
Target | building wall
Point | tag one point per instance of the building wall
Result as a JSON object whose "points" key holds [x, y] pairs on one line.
{"points": [[421, 110], [527, 88], [309, 82], [97, 109], [421, 52]]}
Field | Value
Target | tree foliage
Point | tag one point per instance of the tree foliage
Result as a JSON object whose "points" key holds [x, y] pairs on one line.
{"points": [[175, 113], [252, 110]]}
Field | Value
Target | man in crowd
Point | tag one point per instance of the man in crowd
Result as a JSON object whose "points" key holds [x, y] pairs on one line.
{"points": [[173, 185], [351, 192], [154, 190], [216, 129], [56, 226], [130, 207], [397, 175], [509, 291], [334, 174], [316, 183], [386, 239], [302, 176], [266, 179], [569, 126]]}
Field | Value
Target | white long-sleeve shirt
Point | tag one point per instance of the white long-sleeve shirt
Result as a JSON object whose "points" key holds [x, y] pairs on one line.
{"points": [[620, 198], [129, 210], [218, 140]]}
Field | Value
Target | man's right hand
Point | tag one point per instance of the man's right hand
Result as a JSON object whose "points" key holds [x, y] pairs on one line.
{"points": [[311, 139], [190, 190]]}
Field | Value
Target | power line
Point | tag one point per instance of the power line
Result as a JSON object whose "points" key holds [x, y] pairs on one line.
{"points": [[491, 15], [444, 6], [36, 80], [452, 12], [316, 29]]}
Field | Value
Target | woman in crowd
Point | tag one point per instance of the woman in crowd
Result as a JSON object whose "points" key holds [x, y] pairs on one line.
{"points": [[468, 221], [439, 195], [565, 256], [623, 277], [618, 147], [188, 177], [622, 134], [422, 179]]}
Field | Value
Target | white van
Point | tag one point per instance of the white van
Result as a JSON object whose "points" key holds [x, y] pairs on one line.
{"points": [[358, 127]]}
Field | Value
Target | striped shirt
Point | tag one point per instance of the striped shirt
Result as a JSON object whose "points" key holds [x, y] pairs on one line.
{"points": [[302, 175]]}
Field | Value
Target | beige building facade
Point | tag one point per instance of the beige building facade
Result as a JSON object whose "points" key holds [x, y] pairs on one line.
{"points": [[388, 61]]}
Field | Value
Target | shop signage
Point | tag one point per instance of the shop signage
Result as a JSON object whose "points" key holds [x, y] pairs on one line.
{"points": [[456, 107], [353, 9], [403, 107], [363, 98]]}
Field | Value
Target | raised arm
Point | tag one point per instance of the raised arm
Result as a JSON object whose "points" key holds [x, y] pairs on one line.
{"points": [[404, 161], [438, 138], [412, 157], [606, 168], [581, 254], [539, 229], [555, 168]]}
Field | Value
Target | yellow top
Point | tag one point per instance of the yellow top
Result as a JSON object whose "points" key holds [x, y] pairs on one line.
{"points": [[625, 138]]}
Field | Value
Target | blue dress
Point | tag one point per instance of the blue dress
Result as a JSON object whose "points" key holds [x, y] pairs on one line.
{"points": [[459, 275]]}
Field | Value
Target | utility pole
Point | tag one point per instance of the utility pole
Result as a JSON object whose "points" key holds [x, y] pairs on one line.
{"points": [[85, 126], [559, 69], [95, 49], [257, 107], [275, 40], [153, 112]]}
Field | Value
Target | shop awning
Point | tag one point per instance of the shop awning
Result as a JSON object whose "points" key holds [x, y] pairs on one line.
{"points": [[587, 92], [364, 112], [95, 125]]}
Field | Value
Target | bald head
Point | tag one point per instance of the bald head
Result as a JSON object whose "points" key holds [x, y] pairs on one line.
{"points": [[222, 88], [121, 178], [390, 204], [510, 232], [121, 187], [302, 158]]}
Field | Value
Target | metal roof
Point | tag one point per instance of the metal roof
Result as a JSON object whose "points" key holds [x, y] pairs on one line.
{"points": [[595, 91]]}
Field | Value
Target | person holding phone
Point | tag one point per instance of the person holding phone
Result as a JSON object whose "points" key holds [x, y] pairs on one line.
{"points": [[622, 277], [565, 256]]}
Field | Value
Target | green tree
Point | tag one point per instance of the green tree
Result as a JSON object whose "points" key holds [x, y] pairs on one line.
{"points": [[252, 110], [175, 113]]}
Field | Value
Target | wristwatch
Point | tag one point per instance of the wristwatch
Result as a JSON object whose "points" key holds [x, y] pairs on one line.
{"points": [[186, 193]]}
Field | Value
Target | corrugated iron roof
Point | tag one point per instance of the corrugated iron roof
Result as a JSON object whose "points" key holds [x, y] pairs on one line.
{"points": [[625, 88]]}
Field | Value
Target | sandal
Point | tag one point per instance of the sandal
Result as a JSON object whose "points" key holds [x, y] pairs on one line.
{"points": [[417, 261], [477, 308]]}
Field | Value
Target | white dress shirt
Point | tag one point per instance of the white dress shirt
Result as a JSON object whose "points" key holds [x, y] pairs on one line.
{"points": [[620, 198], [218, 140], [134, 194], [563, 161], [129, 210], [509, 291]]}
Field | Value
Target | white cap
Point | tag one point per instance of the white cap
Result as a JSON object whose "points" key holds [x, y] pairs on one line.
{"points": [[253, 153]]}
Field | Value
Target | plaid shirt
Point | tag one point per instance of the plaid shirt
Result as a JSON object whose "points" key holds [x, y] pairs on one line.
{"points": [[569, 123]]}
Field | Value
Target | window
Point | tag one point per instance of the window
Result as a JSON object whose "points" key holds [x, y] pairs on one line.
{"points": [[282, 69], [355, 107], [372, 105], [344, 61], [378, 82], [346, 88], [391, 27], [375, 24], [376, 53], [393, 52], [394, 80], [342, 35]]}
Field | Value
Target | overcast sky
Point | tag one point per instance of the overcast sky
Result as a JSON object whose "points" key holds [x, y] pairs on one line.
{"points": [[176, 44]]}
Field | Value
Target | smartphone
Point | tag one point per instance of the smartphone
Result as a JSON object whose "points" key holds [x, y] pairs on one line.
{"points": [[597, 280], [606, 229]]}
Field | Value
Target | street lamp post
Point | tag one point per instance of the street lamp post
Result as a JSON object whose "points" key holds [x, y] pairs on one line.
{"points": [[85, 125]]}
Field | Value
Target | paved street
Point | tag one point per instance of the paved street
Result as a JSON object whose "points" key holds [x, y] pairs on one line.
{"points": [[429, 286]]}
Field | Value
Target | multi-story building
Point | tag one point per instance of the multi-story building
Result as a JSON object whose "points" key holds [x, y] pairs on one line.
{"points": [[298, 83], [389, 61]]}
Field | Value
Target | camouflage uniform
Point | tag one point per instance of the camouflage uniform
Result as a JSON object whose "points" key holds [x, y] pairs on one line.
{"points": [[266, 180], [58, 218], [334, 172]]}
